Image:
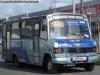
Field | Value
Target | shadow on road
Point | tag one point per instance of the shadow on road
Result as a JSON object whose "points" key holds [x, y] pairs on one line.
{"points": [[36, 69]]}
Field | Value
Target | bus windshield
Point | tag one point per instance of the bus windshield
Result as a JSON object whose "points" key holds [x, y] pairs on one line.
{"points": [[69, 29]]}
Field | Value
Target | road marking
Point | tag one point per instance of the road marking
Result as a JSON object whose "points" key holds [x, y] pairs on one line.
{"points": [[66, 74]]}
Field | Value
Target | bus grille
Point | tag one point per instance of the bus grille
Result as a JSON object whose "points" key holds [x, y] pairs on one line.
{"points": [[80, 50]]}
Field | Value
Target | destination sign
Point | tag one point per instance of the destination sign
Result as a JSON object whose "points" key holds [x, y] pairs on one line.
{"points": [[67, 17], [75, 22]]}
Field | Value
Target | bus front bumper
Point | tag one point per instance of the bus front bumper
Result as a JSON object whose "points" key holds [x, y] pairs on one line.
{"points": [[75, 60]]}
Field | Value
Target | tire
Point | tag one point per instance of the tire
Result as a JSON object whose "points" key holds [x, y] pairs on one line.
{"points": [[44, 66], [17, 64], [89, 67], [52, 68], [6, 61]]}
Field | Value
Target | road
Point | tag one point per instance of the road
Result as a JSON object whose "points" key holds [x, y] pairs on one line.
{"points": [[10, 69]]}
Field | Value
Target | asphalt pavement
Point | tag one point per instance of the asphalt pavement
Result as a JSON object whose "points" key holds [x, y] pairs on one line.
{"points": [[10, 69]]}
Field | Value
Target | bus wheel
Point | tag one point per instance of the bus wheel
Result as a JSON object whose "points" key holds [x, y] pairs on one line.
{"points": [[6, 61], [89, 67], [17, 64], [52, 68]]}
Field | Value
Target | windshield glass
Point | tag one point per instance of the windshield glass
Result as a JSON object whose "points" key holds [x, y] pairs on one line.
{"points": [[69, 29]]}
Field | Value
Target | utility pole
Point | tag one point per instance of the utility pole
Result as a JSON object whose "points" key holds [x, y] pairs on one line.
{"points": [[81, 6], [55, 6], [73, 2]]}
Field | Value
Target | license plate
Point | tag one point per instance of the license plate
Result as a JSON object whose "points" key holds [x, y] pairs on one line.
{"points": [[79, 58]]}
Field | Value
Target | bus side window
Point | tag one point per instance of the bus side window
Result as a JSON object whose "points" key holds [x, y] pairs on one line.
{"points": [[36, 31], [43, 32], [4, 31], [26, 32], [43, 25], [15, 30]]}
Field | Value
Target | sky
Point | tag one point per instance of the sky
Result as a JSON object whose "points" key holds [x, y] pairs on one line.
{"points": [[13, 9]]}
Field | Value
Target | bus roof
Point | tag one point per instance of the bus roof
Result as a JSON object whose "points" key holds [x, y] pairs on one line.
{"points": [[42, 15]]}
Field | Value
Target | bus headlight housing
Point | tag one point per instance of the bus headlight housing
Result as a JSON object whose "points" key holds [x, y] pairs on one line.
{"points": [[57, 50]]}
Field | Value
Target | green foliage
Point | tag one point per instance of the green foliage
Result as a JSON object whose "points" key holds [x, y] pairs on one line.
{"points": [[0, 51], [99, 60]]}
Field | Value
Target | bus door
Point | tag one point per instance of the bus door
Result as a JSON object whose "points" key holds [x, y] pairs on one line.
{"points": [[8, 51], [36, 56]]}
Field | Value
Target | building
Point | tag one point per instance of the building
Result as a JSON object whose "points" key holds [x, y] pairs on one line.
{"points": [[90, 8]]}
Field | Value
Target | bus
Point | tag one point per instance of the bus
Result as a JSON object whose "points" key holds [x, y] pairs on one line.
{"points": [[52, 41], [0, 35]]}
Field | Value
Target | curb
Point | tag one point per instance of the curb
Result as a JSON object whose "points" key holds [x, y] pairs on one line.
{"points": [[97, 64]]}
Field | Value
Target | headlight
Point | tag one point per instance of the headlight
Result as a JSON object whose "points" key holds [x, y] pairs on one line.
{"points": [[57, 50]]}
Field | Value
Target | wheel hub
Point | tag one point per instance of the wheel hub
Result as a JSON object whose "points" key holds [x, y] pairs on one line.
{"points": [[49, 66]]}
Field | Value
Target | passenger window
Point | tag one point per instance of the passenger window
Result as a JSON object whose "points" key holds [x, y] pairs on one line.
{"points": [[26, 32], [43, 25], [15, 30], [43, 32], [36, 29], [4, 31]]}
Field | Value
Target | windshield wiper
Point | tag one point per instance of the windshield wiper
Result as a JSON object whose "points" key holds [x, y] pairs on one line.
{"points": [[77, 34]]}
